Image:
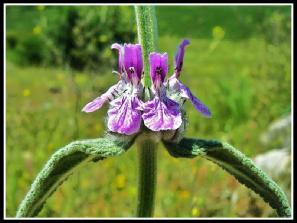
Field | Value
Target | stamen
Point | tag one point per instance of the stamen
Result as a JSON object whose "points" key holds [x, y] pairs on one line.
{"points": [[158, 70], [132, 70]]}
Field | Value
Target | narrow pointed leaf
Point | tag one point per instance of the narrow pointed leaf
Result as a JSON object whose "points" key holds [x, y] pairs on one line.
{"points": [[63, 163], [237, 164]]}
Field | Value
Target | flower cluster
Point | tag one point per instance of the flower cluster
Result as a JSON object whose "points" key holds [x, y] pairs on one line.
{"points": [[163, 110]]}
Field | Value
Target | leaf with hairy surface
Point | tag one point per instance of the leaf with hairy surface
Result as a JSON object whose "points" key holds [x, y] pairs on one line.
{"points": [[237, 164], [63, 163]]}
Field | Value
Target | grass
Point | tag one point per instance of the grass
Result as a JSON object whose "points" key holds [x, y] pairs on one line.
{"points": [[244, 81]]}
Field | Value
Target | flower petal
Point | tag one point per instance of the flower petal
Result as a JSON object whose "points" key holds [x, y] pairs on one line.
{"points": [[116, 46], [179, 56], [133, 61], [121, 51], [124, 116], [158, 68], [186, 93], [161, 114], [95, 104], [107, 96]]}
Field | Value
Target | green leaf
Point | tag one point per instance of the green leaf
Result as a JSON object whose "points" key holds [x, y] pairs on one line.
{"points": [[64, 162], [237, 164]]}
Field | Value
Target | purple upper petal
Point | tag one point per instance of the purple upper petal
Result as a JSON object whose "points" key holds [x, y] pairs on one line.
{"points": [[121, 51], [179, 56], [133, 61], [158, 68], [161, 114], [124, 115]]}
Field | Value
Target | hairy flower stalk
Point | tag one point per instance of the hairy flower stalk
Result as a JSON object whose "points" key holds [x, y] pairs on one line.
{"points": [[147, 148]]}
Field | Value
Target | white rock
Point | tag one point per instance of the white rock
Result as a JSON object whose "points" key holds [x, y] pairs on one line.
{"points": [[274, 162]]}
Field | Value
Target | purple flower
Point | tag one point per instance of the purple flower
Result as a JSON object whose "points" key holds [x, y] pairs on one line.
{"points": [[124, 114], [178, 89], [179, 57], [158, 68], [163, 111], [160, 113], [133, 64]]}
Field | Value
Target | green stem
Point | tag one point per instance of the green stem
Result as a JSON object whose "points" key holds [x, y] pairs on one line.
{"points": [[147, 153], [147, 36]]}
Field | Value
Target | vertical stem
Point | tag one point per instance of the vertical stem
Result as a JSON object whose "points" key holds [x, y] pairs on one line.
{"points": [[147, 153], [147, 37]]}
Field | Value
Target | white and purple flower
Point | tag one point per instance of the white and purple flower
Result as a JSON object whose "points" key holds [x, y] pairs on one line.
{"points": [[160, 113], [124, 114], [176, 88]]}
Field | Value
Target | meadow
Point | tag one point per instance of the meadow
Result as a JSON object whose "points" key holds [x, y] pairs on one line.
{"points": [[238, 63]]}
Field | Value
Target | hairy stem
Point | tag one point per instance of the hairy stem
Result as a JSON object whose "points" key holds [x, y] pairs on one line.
{"points": [[147, 153], [147, 35]]}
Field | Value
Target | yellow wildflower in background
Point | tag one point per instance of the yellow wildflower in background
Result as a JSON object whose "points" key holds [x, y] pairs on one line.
{"points": [[218, 32], [184, 194], [60, 76], [37, 30], [26, 92], [120, 181], [195, 212], [103, 38], [40, 7]]}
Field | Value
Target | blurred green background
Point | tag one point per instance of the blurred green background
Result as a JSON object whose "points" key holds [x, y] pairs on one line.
{"points": [[59, 58]]}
